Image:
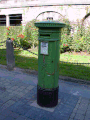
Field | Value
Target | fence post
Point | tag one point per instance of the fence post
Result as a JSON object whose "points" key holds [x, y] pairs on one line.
{"points": [[10, 54]]}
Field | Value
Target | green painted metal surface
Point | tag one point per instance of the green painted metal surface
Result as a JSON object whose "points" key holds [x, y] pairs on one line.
{"points": [[49, 24], [49, 53]]}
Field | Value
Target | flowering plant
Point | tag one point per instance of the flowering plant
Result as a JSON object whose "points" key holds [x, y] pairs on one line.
{"points": [[8, 33], [81, 43], [12, 32], [25, 38], [32, 33], [22, 40], [65, 42]]}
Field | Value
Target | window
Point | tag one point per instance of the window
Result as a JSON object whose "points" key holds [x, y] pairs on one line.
{"points": [[2, 20], [15, 19]]}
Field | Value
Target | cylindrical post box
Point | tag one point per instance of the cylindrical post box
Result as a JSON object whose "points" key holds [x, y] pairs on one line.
{"points": [[48, 62]]}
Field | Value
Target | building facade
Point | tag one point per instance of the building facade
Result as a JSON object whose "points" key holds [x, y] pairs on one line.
{"points": [[14, 12]]}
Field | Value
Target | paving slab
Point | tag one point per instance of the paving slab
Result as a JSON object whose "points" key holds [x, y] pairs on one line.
{"points": [[18, 99]]}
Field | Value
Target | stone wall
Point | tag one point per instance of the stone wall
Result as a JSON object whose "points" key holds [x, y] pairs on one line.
{"points": [[73, 13]]}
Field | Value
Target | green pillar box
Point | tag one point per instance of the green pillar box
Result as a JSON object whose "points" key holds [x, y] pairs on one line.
{"points": [[48, 62]]}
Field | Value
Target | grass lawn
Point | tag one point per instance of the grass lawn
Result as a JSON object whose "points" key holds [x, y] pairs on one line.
{"points": [[26, 60]]}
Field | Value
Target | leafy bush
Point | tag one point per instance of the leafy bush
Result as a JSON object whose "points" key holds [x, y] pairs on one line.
{"points": [[86, 40], [15, 33], [81, 43], [66, 38], [25, 44], [30, 36], [11, 32], [2, 33], [66, 41], [32, 33]]}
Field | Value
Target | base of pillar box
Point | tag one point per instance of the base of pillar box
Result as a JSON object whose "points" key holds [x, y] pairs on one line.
{"points": [[46, 97]]}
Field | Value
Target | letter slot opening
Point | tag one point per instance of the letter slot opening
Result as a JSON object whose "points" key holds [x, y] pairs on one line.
{"points": [[44, 35]]}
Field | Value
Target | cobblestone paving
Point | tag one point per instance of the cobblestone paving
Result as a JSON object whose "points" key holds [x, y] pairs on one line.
{"points": [[17, 93]]}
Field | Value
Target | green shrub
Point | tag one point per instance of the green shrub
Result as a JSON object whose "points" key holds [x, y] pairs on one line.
{"points": [[81, 43], [2, 33], [66, 38], [25, 44], [32, 33], [86, 40], [14, 31]]}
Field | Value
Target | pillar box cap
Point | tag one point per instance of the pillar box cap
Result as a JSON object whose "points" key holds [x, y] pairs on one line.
{"points": [[49, 24]]}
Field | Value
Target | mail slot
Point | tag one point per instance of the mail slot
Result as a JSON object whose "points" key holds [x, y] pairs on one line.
{"points": [[44, 35]]}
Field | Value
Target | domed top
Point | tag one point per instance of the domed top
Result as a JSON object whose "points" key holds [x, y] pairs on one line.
{"points": [[49, 24]]}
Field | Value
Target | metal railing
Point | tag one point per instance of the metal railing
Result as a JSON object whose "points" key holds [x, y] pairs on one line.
{"points": [[2, 42], [73, 63], [20, 47], [24, 48]]}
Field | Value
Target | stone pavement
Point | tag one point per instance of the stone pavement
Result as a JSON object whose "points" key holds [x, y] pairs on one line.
{"points": [[18, 95]]}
